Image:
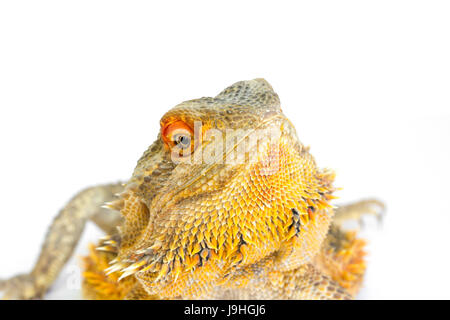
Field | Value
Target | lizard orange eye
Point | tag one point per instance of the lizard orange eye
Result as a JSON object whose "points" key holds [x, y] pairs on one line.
{"points": [[177, 134]]}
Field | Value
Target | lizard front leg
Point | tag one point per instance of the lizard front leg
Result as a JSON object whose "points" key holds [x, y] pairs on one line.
{"points": [[61, 239], [342, 254]]}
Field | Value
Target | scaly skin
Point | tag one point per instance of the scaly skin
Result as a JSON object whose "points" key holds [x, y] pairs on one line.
{"points": [[204, 227]]}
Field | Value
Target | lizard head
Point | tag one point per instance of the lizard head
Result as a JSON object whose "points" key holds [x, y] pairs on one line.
{"points": [[226, 185]]}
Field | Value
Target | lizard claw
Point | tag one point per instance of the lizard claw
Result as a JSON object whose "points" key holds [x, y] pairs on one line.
{"points": [[20, 287], [356, 211]]}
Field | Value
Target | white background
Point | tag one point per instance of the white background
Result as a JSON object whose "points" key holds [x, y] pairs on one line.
{"points": [[84, 83]]}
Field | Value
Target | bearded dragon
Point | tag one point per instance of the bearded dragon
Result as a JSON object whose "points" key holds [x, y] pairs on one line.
{"points": [[194, 222]]}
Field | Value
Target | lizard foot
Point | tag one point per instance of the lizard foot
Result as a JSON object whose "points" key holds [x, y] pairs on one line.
{"points": [[356, 211], [20, 287]]}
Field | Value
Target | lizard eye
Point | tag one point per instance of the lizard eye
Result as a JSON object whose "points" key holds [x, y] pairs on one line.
{"points": [[177, 134], [182, 140]]}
